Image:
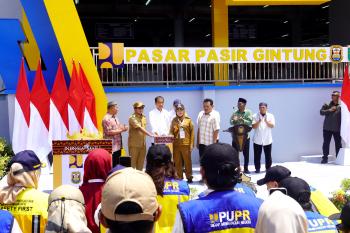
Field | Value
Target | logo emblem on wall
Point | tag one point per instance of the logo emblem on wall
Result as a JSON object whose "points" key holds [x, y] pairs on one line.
{"points": [[336, 53], [76, 177], [75, 161], [111, 55]]}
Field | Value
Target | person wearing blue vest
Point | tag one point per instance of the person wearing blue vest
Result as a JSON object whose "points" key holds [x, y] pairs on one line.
{"points": [[223, 209], [8, 223], [300, 191], [239, 187], [170, 189]]}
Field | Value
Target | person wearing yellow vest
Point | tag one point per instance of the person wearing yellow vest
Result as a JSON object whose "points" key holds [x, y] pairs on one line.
{"points": [[170, 190], [21, 197], [183, 131]]}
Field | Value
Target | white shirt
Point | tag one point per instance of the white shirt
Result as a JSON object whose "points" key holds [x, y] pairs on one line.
{"points": [[159, 121], [281, 214], [172, 114], [178, 225], [263, 134]]}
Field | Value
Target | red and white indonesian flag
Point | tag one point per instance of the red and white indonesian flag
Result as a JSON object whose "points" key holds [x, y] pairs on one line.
{"points": [[59, 124], [345, 108], [76, 104], [22, 112], [90, 121], [39, 117]]}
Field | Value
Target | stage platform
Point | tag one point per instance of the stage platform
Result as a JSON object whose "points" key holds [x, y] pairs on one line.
{"points": [[324, 177]]}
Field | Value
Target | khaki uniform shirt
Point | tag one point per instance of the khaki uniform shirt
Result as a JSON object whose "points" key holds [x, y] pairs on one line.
{"points": [[188, 128], [136, 137]]}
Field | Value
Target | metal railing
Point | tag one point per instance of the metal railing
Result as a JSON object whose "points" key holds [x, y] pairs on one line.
{"points": [[234, 73]]}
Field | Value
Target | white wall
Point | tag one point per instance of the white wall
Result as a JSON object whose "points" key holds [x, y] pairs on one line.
{"points": [[298, 122]]}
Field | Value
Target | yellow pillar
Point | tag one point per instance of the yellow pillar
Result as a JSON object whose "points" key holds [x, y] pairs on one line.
{"points": [[219, 19]]}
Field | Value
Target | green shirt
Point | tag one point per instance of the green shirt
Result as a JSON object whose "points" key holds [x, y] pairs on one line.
{"points": [[244, 118]]}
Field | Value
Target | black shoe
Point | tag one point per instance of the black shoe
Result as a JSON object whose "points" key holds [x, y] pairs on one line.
{"points": [[324, 160], [257, 171], [189, 181], [246, 171]]}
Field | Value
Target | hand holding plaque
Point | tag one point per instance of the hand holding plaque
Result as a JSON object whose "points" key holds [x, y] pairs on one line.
{"points": [[168, 139]]}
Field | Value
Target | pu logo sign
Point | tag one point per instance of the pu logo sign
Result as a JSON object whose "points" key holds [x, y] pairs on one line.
{"points": [[111, 55], [235, 218], [76, 161], [214, 218]]}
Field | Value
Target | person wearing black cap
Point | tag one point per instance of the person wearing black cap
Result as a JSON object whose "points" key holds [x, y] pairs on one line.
{"points": [[263, 122], [344, 217], [273, 176], [331, 125], [300, 191], [183, 130], [223, 209], [171, 191], [113, 129], [276, 174], [242, 116], [21, 197]]}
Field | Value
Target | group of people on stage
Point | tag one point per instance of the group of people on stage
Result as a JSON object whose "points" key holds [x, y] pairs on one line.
{"points": [[126, 200], [177, 123]]}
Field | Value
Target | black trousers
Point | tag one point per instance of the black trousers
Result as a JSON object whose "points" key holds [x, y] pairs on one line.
{"points": [[327, 136], [257, 156], [245, 152], [201, 149], [115, 157]]}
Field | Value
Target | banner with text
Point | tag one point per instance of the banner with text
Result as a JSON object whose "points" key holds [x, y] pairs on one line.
{"points": [[69, 158], [153, 55]]}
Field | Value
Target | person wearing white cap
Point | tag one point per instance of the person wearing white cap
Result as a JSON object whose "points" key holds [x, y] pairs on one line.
{"points": [[66, 211], [129, 202]]}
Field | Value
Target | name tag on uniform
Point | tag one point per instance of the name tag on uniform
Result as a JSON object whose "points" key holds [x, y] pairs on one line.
{"points": [[182, 133]]}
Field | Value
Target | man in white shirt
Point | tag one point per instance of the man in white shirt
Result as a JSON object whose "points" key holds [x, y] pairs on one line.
{"points": [[263, 122], [159, 118]]}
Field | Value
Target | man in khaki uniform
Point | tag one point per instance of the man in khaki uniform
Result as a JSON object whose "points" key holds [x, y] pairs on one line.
{"points": [[183, 131], [137, 136]]}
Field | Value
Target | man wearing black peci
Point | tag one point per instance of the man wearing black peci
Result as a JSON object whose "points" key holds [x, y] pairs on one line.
{"points": [[242, 116]]}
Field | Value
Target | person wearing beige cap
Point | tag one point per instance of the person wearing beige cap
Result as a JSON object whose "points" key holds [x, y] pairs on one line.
{"points": [[137, 136], [113, 129], [66, 211], [129, 202]]}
